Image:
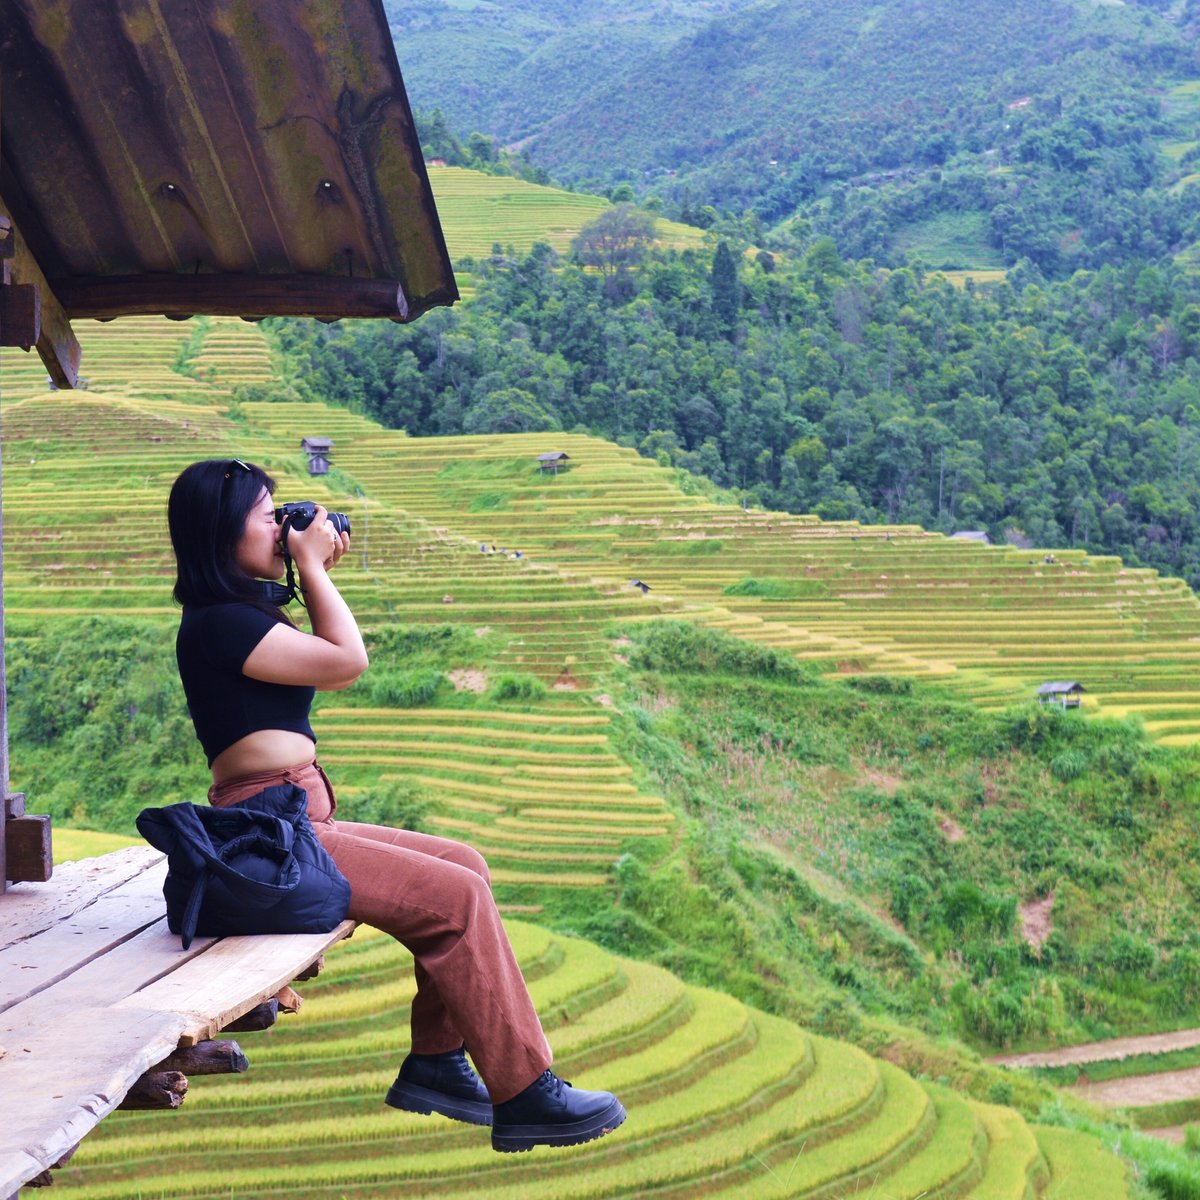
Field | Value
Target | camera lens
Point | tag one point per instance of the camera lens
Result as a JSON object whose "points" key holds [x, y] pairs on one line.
{"points": [[299, 514]]}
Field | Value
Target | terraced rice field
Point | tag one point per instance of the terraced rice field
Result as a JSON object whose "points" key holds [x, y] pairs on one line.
{"points": [[991, 622], [541, 794], [724, 1101], [479, 211]]}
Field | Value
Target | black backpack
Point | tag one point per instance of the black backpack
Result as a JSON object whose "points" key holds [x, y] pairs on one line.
{"points": [[254, 867]]}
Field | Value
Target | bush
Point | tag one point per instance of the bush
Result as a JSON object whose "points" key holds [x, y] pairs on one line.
{"points": [[881, 685], [685, 648], [1031, 726], [1130, 955], [909, 899], [516, 687], [965, 908], [393, 644], [1191, 1139], [393, 802], [777, 589], [1068, 765], [403, 689]]}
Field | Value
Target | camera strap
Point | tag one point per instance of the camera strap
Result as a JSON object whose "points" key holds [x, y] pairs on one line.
{"points": [[290, 588], [277, 594], [281, 594]]}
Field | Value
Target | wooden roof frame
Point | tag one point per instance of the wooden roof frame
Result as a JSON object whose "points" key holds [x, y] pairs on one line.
{"points": [[227, 157]]}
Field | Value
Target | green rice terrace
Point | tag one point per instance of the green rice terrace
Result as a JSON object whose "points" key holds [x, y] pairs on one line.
{"points": [[814, 1117], [509, 741], [478, 211]]}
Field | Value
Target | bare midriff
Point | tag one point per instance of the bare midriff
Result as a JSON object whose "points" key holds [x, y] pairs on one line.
{"points": [[263, 750]]}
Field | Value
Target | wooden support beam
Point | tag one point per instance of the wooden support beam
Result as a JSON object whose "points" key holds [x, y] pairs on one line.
{"points": [[206, 1058], [312, 970], [56, 341], [289, 1000], [28, 857], [20, 315], [165, 1085], [326, 297], [262, 1016], [156, 1089]]}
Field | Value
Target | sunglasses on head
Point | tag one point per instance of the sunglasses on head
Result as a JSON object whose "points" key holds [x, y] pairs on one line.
{"points": [[237, 462]]}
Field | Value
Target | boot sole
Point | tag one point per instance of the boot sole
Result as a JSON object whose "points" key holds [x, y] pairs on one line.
{"points": [[409, 1097], [513, 1139]]}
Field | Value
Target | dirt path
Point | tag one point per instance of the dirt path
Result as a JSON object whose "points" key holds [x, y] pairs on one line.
{"points": [[1114, 1048], [1142, 1089], [1171, 1133]]}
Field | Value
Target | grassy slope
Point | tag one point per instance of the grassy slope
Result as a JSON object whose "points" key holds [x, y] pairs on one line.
{"points": [[572, 790], [479, 211]]}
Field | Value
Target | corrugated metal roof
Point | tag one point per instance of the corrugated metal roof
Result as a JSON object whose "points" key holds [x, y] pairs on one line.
{"points": [[245, 157]]}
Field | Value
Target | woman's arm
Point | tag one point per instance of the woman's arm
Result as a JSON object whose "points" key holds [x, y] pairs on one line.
{"points": [[332, 656]]}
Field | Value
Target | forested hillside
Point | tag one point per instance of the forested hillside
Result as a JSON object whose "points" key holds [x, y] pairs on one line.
{"points": [[1058, 415], [973, 134], [509, 67]]}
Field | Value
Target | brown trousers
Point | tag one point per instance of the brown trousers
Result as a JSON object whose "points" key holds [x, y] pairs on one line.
{"points": [[432, 895]]}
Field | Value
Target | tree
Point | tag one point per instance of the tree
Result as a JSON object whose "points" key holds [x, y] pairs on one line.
{"points": [[615, 241], [481, 149], [1165, 344], [509, 410], [726, 291]]}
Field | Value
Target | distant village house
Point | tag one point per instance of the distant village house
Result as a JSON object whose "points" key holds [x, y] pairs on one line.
{"points": [[1069, 695], [317, 450]]}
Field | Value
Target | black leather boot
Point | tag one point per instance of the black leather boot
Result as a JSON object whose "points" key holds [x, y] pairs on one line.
{"points": [[550, 1112], [441, 1083]]}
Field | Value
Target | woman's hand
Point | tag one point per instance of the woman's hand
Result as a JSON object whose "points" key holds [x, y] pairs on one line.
{"points": [[341, 544], [318, 545]]}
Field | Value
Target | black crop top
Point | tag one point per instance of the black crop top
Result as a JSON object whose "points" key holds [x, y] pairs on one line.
{"points": [[212, 645]]}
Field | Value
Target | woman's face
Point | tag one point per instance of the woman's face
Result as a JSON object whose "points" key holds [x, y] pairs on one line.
{"points": [[259, 551]]}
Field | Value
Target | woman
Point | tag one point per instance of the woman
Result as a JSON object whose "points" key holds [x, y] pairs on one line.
{"points": [[249, 675]]}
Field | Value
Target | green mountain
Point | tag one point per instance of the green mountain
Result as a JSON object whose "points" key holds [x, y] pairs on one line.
{"points": [[509, 67], [1049, 131]]}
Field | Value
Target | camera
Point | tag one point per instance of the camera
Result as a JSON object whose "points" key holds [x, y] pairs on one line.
{"points": [[299, 515]]}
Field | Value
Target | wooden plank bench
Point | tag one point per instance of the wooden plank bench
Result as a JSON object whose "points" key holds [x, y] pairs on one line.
{"points": [[99, 1000]]}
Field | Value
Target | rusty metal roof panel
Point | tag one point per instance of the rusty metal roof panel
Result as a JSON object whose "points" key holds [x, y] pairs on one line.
{"points": [[254, 157]]}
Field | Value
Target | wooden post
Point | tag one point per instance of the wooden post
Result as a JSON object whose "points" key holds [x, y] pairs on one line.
{"points": [[262, 1016], [24, 839], [156, 1089], [7, 251]]}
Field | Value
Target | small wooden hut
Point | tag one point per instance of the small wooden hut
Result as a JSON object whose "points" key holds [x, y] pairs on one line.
{"points": [[552, 462], [1067, 694], [317, 450]]}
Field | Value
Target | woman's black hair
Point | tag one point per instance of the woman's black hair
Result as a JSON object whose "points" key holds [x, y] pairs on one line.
{"points": [[207, 513]]}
